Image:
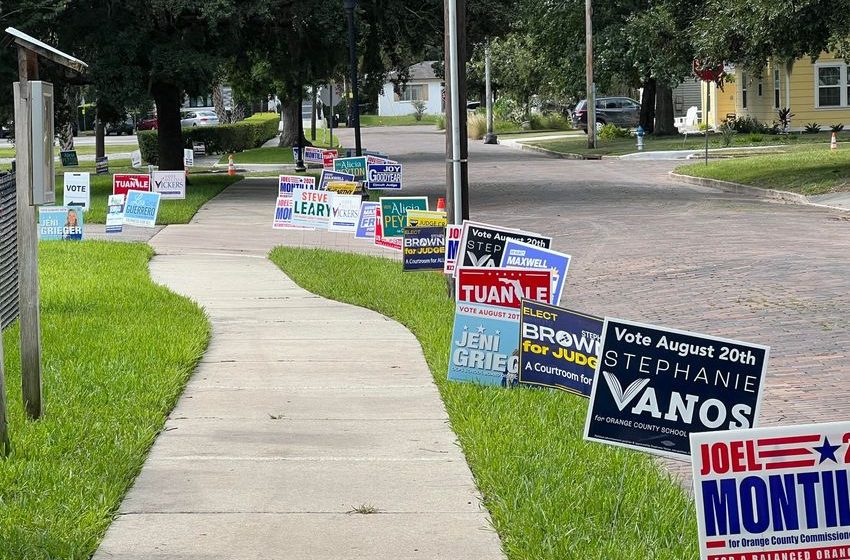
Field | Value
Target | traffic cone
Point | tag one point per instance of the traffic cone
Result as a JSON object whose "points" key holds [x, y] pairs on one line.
{"points": [[231, 168], [441, 204], [833, 145]]}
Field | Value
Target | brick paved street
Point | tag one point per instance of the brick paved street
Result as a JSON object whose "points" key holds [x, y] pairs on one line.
{"points": [[648, 249]]}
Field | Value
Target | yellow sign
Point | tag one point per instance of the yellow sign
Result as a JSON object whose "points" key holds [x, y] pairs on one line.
{"points": [[343, 187], [424, 218]]}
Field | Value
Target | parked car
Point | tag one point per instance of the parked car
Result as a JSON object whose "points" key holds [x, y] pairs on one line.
{"points": [[621, 111], [148, 122], [127, 126], [198, 118]]}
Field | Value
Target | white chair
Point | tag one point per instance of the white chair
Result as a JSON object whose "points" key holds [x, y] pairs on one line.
{"points": [[690, 123]]}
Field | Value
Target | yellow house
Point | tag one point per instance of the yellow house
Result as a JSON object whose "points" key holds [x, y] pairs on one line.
{"points": [[817, 92]]}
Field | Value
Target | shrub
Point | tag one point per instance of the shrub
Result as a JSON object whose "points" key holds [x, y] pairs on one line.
{"points": [[441, 122], [836, 127], [611, 132], [812, 128], [746, 125], [476, 126], [418, 109], [507, 109], [727, 134], [253, 132], [785, 115]]}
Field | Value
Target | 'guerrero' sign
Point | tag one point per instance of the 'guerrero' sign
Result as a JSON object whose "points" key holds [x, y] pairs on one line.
{"points": [[482, 245], [780, 493], [559, 348], [141, 209], [503, 287], [654, 386]]}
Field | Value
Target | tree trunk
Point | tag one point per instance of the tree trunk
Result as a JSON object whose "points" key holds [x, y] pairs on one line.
{"points": [[99, 137], [238, 111], [291, 113], [167, 98], [664, 111], [218, 103], [647, 106], [66, 116]]}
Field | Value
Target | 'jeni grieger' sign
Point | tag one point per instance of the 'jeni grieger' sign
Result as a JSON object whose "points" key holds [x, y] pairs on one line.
{"points": [[654, 386]]}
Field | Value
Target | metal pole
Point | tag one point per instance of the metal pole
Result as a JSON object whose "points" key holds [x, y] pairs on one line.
{"points": [[591, 88], [331, 118], [28, 286], [455, 101], [352, 52], [299, 164], [490, 138]]}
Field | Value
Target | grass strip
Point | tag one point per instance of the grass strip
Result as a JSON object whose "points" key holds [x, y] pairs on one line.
{"points": [[118, 350], [813, 171], [199, 191], [369, 121], [551, 495], [86, 150]]}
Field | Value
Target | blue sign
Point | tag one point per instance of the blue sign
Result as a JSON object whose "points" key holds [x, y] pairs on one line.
{"points": [[384, 176], [424, 248], [141, 208], [655, 386], [524, 255], [485, 345], [559, 348], [366, 221], [60, 223], [330, 176]]}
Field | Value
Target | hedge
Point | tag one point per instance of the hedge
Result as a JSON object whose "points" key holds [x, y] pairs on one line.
{"points": [[253, 132]]}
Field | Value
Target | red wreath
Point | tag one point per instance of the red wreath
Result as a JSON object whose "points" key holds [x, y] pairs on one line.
{"points": [[708, 72]]}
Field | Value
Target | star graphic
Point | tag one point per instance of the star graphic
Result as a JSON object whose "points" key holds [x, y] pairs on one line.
{"points": [[827, 451], [498, 332], [481, 329]]}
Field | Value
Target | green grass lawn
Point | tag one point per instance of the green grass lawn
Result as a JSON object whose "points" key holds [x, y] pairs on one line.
{"points": [[277, 154], [551, 495], [621, 146], [118, 350], [201, 188], [402, 120], [81, 150], [809, 170]]}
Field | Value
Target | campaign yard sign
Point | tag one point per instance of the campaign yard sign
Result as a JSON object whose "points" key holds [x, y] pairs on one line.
{"points": [[345, 209], [77, 190], [482, 245], [328, 176], [353, 166], [189, 157], [425, 218], [366, 220], [559, 348], [453, 235], [424, 248], [283, 213], [484, 348], [503, 287], [384, 176], [328, 157], [122, 183], [115, 213], [69, 158], [523, 255], [101, 165], [311, 208], [394, 212], [654, 386], [381, 241], [343, 187], [141, 209], [171, 185], [779, 493], [288, 183], [60, 223], [311, 155], [136, 159]]}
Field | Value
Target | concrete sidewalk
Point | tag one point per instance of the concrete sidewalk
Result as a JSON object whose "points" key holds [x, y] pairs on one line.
{"points": [[302, 411]]}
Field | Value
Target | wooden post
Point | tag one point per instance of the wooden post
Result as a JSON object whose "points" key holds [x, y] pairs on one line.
{"points": [[28, 286]]}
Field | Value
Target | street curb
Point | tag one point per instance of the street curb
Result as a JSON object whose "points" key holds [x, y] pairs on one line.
{"points": [[558, 155], [757, 192]]}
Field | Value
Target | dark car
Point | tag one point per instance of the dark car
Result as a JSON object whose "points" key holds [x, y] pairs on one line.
{"points": [[126, 126], [148, 122], [621, 111]]}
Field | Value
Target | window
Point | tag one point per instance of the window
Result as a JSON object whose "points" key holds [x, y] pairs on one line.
{"points": [[829, 85], [417, 92], [744, 79], [776, 87]]}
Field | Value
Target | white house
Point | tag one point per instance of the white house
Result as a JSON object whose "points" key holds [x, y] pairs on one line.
{"points": [[423, 85]]}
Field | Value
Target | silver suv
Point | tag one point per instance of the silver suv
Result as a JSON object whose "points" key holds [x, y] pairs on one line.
{"points": [[621, 111]]}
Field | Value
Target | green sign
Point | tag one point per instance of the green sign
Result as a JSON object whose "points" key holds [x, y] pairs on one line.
{"points": [[69, 158], [353, 166], [394, 212]]}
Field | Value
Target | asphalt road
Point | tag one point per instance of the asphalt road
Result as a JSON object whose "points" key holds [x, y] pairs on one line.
{"points": [[646, 248]]}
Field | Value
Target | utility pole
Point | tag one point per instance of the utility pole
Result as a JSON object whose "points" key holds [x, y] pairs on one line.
{"points": [[332, 115], [591, 87], [457, 146], [490, 138], [299, 163], [350, 5]]}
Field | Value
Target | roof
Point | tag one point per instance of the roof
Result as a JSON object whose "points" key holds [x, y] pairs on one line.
{"points": [[420, 71]]}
